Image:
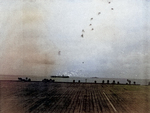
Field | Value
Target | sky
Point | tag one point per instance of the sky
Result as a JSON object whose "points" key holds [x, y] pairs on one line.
{"points": [[83, 38]]}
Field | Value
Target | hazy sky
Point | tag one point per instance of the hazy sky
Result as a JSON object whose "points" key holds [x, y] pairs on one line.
{"points": [[43, 37]]}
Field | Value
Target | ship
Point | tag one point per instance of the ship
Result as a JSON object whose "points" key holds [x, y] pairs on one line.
{"points": [[59, 76]]}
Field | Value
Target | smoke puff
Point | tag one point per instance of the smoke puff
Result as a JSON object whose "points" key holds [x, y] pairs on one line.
{"points": [[26, 46]]}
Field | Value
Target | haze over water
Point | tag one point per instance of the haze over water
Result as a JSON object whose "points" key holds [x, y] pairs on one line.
{"points": [[93, 38]]}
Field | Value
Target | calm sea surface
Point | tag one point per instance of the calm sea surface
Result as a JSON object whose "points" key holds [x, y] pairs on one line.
{"points": [[99, 80], [82, 79]]}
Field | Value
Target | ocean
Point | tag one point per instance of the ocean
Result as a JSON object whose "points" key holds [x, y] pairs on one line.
{"points": [[82, 79], [99, 80]]}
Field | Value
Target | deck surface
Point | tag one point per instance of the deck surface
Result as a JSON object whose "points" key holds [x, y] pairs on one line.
{"points": [[38, 97]]}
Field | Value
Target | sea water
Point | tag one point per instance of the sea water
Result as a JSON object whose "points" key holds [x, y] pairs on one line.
{"points": [[99, 80]]}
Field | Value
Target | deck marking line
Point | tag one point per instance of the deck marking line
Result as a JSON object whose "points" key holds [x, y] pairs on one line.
{"points": [[110, 102]]}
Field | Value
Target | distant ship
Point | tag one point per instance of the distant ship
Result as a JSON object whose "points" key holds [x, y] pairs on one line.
{"points": [[60, 76]]}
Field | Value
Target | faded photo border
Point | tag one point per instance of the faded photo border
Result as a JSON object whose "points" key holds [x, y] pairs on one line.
{"points": [[74, 56]]}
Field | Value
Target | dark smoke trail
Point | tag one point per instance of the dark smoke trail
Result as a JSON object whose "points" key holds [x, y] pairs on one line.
{"points": [[27, 48]]}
